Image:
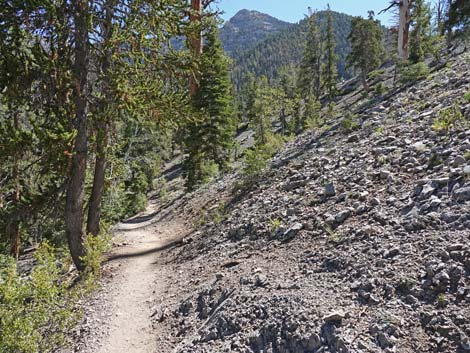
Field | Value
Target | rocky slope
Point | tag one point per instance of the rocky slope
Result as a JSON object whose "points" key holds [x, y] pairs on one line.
{"points": [[354, 240]]}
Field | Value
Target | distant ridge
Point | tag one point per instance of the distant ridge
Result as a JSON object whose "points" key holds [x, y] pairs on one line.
{"points": [[248, 28], [262, 45]]}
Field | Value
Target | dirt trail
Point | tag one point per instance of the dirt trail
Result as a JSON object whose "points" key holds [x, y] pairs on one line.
{"points": [[119, 321]]}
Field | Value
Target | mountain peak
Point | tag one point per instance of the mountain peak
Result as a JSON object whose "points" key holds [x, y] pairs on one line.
{"points": [[253, 15], [248, 27]]}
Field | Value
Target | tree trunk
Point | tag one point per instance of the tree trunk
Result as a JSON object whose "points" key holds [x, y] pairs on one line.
{"points": [[102, 131], [364, 82], [13, 228], [94, 206], [404, 28], [440, 16], [196, 40], [283, 121], [262, 131], [74, 215]]}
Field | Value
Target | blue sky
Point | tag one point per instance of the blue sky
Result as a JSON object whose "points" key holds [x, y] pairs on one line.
{"points": [[294, 10]]}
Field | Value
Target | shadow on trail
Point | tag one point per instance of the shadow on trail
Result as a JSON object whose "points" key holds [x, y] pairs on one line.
{"points": [[150, 219], [173, 172], [169, 245], [141, 219]]}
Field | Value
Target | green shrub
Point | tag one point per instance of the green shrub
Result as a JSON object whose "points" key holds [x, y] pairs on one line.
{"points": [[274, 226], [137, 202], [34, 314], [379, 89], [448, 118], [412, 73], [466, 97], [209, 170], [350, 123], [96, 246], [375, 74], [256, 159]]}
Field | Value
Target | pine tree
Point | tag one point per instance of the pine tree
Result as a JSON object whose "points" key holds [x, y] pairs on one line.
{"points": [[211, 140], [266, 104], [70, 89], [288, 96], [310, 69], [310, 74], [420, 36], [246, 95], [366, 47], [330, 59], [459, 16]]}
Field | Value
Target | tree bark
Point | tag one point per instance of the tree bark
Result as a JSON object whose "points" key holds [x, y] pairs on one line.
{"points": [[283, 120], [196, 40], [94, 207], [13, 227], [102, 131], [74, 213], [404, 28], [364, 81]]}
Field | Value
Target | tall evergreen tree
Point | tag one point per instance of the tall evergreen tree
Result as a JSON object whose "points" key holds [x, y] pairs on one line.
{"points": [[266, 105], [330, 59], [420, 35], [62, 123], [310, 74], [459, 16], [310, 69], [366, 47], [210, 140], [288, 95]]}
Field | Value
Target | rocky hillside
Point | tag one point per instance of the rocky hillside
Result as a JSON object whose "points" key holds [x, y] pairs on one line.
{"points": [[247, 28], [356, 239]]}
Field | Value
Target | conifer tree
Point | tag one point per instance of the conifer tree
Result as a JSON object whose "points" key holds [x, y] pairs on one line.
{"points": [[310, 75], [330, 59], [420, 36], [366, 47], [247, 95], [310, 69], [288, 96], [71, 89], [266, 103], [210, 140], [459, 16]]}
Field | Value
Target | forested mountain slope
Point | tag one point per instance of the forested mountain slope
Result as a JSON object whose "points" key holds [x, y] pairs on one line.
{"points": [[247, 28], [355, 239], [286, 47]]}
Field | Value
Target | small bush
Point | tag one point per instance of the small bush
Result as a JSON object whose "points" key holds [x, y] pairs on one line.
{"points": [[312, 114], [466, 97], [274, 226], [412, 73], [220, 213], [34, 315], [379, 89], [448, 118], [332, 235], [350, 123], [379, 130], [256, 159], [375, 74], [95, 246]]}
